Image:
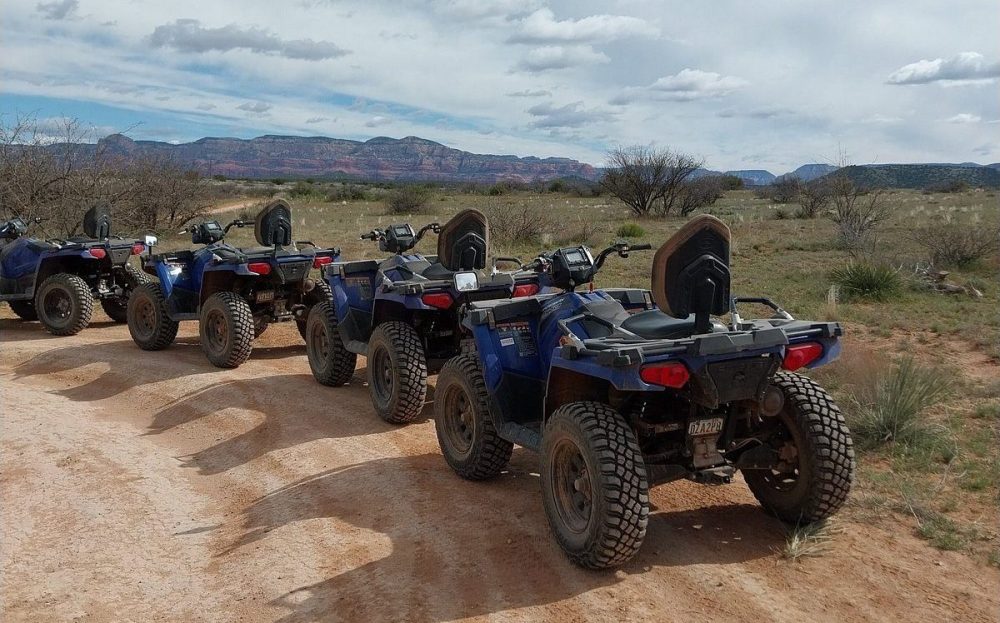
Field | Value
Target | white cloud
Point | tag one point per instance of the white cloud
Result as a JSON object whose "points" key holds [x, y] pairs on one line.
{"points": [[686, 85], [551, 57], [312, 120], [187, 35], [542, 27], [967, 67], [257, 108], [964, 118], [569, 116], [58, 10], [377, 121], [530, 93]]}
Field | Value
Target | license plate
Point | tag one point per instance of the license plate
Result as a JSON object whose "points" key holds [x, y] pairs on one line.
{"points": [[709, 426], [265, 296]]}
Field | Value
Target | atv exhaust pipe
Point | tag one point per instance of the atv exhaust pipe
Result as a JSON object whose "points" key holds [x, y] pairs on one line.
{"points": [[772, 402]]}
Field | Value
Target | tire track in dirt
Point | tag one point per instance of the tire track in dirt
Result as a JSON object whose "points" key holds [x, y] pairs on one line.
{"points": [[306, 507]]}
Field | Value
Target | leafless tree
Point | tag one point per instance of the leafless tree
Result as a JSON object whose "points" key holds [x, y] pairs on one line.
{"points": [[814, 197], [57, 170], [857, 211], [642, 177], [699, 193]]}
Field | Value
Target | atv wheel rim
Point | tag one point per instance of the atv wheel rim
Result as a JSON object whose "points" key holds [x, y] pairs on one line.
{"points": [[459, 421], [319, 343], [58, 305], [572, 489], [146, 317], [382, 374], [216, 331], [784, 475]]}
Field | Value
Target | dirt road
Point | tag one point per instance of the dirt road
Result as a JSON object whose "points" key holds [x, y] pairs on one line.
{"points": [[143, 486]]}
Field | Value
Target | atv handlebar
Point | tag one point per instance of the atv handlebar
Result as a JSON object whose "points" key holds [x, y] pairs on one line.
{"points": [[375, 234], [237, 223], [622, 249], [435, 227]]}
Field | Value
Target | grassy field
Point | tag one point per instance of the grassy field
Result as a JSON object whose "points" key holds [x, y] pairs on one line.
{"points": [[944, 483]]}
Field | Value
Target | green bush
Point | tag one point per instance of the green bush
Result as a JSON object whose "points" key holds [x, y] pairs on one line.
{"points": [[867, 281], [630, 230], [407, 199], [891, 410]]}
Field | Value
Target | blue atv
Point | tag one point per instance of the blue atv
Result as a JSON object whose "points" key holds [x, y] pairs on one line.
{"points": [[233, 293], [56, 281], [616, 402], [402, 313]]}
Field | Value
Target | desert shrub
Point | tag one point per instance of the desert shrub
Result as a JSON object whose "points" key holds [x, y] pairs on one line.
{"points": [[858, 213], [953, 186], [698, 193], [630, 230], [500, 188], [347, 192], [958, 245], [813, 198], [785, 190], [512, 223], [781, 214], [731, 182], [869, 281], [302, 190], [557, 186], [891, 409], [408, 199], [277, 181], [219, 177], [584, 233]]}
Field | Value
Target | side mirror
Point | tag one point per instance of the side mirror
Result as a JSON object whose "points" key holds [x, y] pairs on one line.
{"points": [[150, 241], [37, 219]]}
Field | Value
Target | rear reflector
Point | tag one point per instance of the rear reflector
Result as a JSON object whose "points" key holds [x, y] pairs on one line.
{"points": [[261, 268], [441, 300], [801, 355], [527, 289], [138, 248], [674, 374], [98, 253], [322, 260]]}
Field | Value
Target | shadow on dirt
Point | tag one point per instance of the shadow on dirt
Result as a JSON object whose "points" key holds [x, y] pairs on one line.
{"points": [[288, 419], [16, 330], [128, 367], [462, 549]]}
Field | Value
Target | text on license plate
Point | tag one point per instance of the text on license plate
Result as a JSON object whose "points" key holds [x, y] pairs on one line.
{"points": [[708, 426], [265, 296]]}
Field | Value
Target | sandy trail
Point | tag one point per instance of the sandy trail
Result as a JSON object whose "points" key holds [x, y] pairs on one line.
{"points": [[152, 486]]}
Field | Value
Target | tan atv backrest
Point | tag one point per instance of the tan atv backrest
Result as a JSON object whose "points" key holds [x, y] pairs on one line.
{"points": [[464, 241], [274, 224], [691, 269]]}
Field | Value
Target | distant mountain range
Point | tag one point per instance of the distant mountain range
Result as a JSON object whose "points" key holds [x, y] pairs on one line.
{"points": [[417, 159], [378, 159]]}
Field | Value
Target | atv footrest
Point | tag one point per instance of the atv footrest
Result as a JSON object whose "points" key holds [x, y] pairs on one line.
{"points": [[722, 475], [522, 435]]}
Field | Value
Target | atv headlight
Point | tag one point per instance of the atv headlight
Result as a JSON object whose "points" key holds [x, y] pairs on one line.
{"points": [[466, 281]]}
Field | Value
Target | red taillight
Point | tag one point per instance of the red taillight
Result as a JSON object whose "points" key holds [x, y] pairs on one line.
{"points": [[441, 300], [321, 261], [801, 355], [674, 374], [138, 248], [527, 289], [98, 253], [261, 268]]}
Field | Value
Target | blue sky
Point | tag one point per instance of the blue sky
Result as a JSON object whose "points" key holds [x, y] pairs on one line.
{"points": [[742, 85]]}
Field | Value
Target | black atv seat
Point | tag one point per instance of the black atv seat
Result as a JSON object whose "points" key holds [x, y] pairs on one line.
{"points": [[41, 245], [655, 325], [437, 271]]}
